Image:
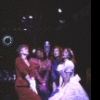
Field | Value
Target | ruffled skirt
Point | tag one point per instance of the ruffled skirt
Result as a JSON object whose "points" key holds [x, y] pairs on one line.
{"points": [[71, 91]]}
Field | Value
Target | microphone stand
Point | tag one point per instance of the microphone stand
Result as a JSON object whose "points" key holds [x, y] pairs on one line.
{"points": [[47, 49]]}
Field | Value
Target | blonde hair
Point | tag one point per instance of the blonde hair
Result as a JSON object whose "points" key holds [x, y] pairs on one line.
{"points": [[20, 47]]}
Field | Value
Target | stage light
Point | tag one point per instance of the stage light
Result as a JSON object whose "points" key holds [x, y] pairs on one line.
{"points": [[60, 10], [33, 51], [30, 17], [24, 17], [25, 29], [62, 21], [7, 40]]}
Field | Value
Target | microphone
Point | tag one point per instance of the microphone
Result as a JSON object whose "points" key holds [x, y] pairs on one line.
{"points": [[47, 48]]}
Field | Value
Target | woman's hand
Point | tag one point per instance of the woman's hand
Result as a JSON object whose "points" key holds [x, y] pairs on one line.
{"points": [[33, 85]]}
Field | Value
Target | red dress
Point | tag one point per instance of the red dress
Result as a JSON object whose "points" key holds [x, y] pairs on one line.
{"points": [[42, 72], [21, 84]]}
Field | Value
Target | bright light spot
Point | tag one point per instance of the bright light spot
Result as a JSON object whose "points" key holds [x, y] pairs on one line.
{"points": [[62, 21], [59, 10], [7, 40], [24, 17], [33, 51], [25, 29], [30, 17]]}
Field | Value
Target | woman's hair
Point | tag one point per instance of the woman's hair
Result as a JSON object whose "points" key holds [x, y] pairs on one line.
{"points": [[52, 53], [39, 49], [20, 47], [71, 54]]}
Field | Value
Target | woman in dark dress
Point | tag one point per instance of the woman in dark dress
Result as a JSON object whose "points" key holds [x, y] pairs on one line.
{"points": [[56, 59]]}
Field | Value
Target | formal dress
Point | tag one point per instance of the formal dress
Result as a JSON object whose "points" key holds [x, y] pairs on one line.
{"points": [[55, 75], [42, 69], [73, 89]]}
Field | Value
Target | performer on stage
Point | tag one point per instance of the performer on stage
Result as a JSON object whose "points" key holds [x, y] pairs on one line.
{"points": [[69, 86], [56, 58], [42, 70], [25, 85]]}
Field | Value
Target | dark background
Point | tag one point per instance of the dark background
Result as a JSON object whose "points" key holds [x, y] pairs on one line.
{"points": [[75, 32]]}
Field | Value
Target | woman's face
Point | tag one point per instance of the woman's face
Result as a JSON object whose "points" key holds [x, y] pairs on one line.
{"points": [[65, 54], [56, 52], [39, 54], [24, 51]]}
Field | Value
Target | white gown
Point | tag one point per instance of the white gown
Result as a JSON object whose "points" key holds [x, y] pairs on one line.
{"points": [[73, 89]]}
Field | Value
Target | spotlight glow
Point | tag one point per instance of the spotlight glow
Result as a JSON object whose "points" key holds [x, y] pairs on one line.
{"points": [[59, 10], [30, 17], [24, 17], [62, 21], [33, 51], [7, 40], [25, 29]]}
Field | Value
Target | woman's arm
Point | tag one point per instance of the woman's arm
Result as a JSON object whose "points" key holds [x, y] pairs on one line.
{"points": [[38, 77], [35, 64], [64, 78], [60, 81], [67, 78], [68, 70], [47, 64], [32, 83]]}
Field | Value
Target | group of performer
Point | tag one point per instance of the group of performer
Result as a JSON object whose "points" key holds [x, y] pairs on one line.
{"points": [[39, 78]]}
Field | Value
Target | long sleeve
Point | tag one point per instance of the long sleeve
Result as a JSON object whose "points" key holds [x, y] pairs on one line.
{"points": [[55, 73], [47, 63], [21, 71], [21, 66], [38, 77], [35, 62]]}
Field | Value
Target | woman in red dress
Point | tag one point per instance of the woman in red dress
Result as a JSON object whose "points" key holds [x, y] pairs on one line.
{"points": [[25, 85], [42, 68]]}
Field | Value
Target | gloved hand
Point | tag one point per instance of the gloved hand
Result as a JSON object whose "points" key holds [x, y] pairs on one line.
{"points": [[33, 85]]}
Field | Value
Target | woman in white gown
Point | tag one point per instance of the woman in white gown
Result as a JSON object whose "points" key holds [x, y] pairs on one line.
{"points": [[69, 86]]}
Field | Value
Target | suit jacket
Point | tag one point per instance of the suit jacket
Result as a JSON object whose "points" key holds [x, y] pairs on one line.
{"points": [[21, 71]]}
